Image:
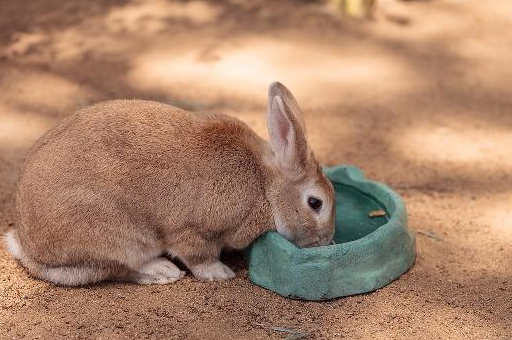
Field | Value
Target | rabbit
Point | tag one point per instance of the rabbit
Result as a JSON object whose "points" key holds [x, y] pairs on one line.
{"points": [[118, 190]]}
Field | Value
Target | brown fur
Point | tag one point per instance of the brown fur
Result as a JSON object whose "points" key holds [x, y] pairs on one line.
{"points": [[116, 185]]}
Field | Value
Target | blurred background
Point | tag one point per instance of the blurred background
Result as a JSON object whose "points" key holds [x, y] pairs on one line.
{"points": [[416, 93]]}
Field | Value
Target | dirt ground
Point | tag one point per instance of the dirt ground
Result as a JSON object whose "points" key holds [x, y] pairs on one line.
{"points": [[420, 98]]}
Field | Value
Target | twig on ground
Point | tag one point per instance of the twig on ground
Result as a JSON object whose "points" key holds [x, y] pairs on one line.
{"points": [[293, 334], [430, 234]]}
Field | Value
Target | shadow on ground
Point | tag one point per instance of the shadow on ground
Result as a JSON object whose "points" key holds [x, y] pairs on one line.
{"points": [[419, 98]]}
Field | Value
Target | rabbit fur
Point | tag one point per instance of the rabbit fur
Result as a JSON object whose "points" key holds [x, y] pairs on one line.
{"points": [[113, 188]]}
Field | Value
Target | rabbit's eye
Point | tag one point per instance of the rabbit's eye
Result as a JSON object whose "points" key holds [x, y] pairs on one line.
{"points": [[315, 203]]}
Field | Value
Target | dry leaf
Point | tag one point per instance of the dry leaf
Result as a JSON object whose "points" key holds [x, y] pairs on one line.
{"points": [[377, 213]]}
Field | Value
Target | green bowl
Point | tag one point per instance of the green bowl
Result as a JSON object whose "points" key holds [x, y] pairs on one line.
{"points": [[369, 252]]}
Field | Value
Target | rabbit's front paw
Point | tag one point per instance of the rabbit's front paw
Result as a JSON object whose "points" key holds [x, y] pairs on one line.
{"points": [[212, 271], [158, 271]]}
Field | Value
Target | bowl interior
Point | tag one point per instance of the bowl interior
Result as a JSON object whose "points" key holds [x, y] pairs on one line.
{"points": [[352, 209]]}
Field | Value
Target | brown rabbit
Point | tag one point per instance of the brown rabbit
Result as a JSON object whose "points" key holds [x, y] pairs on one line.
{"points": [[106, 193]]}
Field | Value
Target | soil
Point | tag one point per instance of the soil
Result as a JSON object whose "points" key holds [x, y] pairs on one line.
{"points": [[419, 97]]}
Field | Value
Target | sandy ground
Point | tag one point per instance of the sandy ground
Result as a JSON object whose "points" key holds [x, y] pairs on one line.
{"points": [[420, 98]]}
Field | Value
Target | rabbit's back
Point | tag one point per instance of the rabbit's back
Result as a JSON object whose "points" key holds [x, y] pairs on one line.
{"points": [[135, 168]]}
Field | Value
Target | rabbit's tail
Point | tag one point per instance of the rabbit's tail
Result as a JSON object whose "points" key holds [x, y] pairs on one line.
{"points": [[61, 275], [13, 244]]}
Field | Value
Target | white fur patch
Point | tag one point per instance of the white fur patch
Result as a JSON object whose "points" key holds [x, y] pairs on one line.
{"points": [[215, 271], [324, 214], [159, 271], [280, 225], [13, 245], [71, 276]]}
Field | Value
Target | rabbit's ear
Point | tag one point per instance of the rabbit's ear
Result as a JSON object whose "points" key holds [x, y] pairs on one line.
{"points": [[287, 137], [278, 89]]}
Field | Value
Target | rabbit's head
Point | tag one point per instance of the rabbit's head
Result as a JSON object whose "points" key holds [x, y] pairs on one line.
{"points": [[301, 196]]}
